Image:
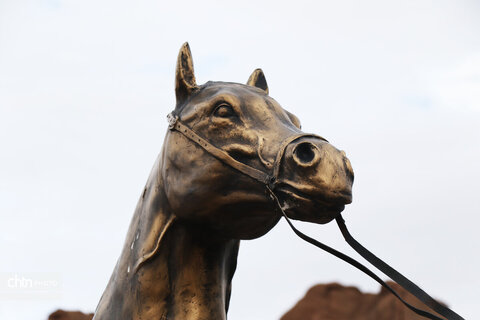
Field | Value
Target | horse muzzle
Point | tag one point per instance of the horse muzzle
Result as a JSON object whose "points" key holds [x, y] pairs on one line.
{"points": [[314, 181]]}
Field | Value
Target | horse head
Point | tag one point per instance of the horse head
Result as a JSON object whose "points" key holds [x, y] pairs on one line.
{"points": [[230, 151], [313, 179], [233, 161]]}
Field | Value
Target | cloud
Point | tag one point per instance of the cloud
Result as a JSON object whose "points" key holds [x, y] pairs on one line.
{"points": [[458, 86]]}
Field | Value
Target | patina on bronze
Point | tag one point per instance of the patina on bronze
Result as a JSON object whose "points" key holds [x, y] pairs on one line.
{"points": [[209, 188]]}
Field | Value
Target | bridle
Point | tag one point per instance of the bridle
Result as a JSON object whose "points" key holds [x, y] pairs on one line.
{"points": [[270, 180]]}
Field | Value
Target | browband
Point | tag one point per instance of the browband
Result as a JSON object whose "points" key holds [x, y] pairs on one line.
{"points": [[269, 180]]}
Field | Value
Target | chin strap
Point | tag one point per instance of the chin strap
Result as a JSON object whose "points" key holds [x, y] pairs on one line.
{"points": [[379, 264]]}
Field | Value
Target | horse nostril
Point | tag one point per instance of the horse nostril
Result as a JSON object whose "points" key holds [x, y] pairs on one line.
{"points": [[304, 153]]}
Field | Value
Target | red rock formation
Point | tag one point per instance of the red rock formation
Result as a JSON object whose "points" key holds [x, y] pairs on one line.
{"points": [[336, 302], [328, 302], [70, 315]]}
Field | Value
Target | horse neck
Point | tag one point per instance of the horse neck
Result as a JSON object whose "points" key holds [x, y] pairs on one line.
{"points": [[169, 268], [200, 268]]}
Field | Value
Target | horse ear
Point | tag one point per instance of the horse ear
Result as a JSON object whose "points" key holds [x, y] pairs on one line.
{"points": [[257, 79], [185, 82]]}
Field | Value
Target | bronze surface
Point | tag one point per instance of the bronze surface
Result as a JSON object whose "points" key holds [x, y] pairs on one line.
{"points": [[180, 252]]}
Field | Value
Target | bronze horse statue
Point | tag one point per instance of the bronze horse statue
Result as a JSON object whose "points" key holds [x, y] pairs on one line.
{"points": [[229, 146]]}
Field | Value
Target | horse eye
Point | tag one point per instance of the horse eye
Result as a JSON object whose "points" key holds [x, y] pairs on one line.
{"points": [[224, 110]]}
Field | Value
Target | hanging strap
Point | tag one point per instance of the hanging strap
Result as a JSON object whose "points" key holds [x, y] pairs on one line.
{"points": [[395, 275], [354, 263]]}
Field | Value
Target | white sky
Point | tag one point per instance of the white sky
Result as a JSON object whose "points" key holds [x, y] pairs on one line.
{"points": [[85, 87]]}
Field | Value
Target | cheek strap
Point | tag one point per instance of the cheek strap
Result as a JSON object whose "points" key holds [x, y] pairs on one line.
{"points": [[175, 124]]}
